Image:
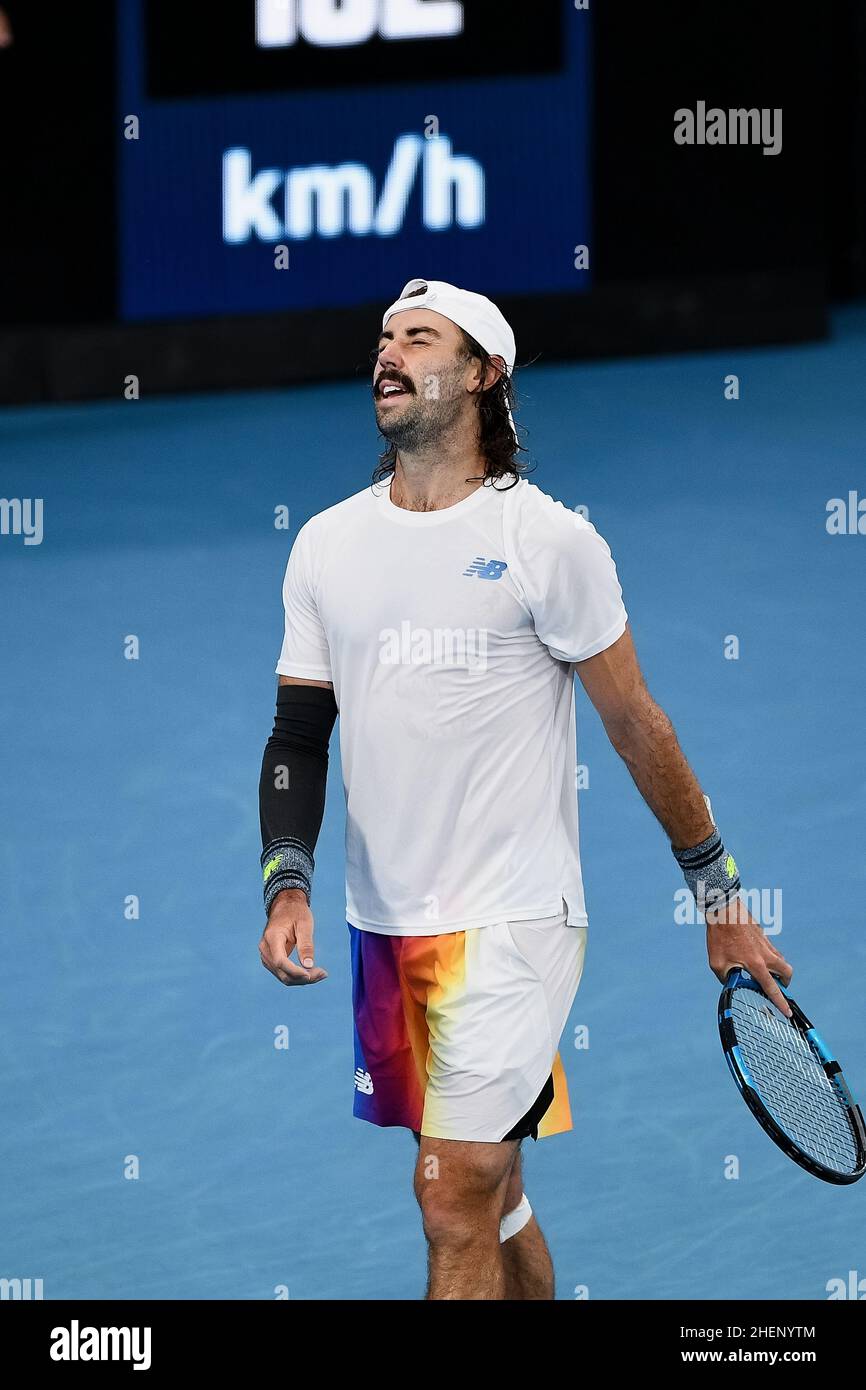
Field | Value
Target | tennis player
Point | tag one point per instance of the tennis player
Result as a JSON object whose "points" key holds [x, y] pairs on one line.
{"points": [[443, 611]]}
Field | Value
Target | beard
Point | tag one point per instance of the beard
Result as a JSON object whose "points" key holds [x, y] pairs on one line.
{"points": [[419, 422]]}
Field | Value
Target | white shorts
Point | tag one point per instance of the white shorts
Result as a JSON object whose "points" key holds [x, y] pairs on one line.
{"points": [[457, 1035]]}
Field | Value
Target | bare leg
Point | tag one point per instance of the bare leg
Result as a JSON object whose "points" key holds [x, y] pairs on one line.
{"points": [[525, 1256], [460, 1186]]}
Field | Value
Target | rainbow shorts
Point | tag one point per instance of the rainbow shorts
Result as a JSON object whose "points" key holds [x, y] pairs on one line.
{"points": [[457, 1035]]}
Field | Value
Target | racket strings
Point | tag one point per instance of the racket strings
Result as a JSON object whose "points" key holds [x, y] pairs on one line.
{"points": [[792, 1083]]}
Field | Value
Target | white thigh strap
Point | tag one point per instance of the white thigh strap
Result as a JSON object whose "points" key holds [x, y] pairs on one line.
{"points": [[514, 1221]]}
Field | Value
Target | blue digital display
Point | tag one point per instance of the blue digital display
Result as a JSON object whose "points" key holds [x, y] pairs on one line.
{"points": [[313, 195]]}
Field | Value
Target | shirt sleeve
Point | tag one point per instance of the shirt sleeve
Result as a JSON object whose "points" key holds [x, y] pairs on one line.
{"points": [[569, 582], [305, 649]]}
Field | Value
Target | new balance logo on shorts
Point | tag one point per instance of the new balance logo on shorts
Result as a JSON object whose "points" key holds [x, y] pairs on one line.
{"points": [[363, 1081], [485, 569]]}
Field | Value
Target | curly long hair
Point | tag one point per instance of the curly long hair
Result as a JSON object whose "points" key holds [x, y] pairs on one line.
{"points": [[497, 441]]}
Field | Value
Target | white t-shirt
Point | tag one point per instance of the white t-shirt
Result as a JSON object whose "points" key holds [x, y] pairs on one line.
{"points": [[449, 637]]}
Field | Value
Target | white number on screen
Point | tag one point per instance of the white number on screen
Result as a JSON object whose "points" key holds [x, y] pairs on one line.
{"points": [[329, 24]]}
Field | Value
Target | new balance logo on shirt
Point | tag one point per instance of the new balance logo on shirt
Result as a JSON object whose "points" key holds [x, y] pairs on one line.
{"points": [[485, 569], [363, 1081]]}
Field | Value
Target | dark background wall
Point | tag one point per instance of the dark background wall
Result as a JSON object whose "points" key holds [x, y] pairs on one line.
{"points": [[690, 249]]}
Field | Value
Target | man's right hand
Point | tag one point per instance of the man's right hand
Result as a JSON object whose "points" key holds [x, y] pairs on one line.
{"points": [[290, 927]]}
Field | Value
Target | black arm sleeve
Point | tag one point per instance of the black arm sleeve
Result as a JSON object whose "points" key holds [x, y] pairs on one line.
{"points": [[292, 786]]}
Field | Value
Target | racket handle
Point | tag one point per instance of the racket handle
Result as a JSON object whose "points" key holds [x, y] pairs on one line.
{"points": [[733, 971]]}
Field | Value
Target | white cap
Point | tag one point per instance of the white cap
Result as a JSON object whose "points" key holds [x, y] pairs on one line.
{"points": [[474, 313]]}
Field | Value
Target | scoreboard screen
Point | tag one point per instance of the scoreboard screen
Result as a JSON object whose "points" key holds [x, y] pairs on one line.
{"points": [[293, 154]]}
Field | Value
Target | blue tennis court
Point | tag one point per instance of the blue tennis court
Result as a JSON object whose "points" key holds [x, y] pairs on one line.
{"points": [[160, 1140]]}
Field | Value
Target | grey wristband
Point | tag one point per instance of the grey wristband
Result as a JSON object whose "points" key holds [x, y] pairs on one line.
{"points": [[710, 872], [286, 863]]}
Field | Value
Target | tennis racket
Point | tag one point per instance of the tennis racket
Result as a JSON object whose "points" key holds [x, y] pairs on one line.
{"points": [[791, 1082]]}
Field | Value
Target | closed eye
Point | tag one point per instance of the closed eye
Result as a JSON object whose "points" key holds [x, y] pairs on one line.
{"points": [[416, 342]]}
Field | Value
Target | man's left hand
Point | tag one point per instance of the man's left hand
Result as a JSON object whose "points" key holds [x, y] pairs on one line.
{"points": [[733, 938]]}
